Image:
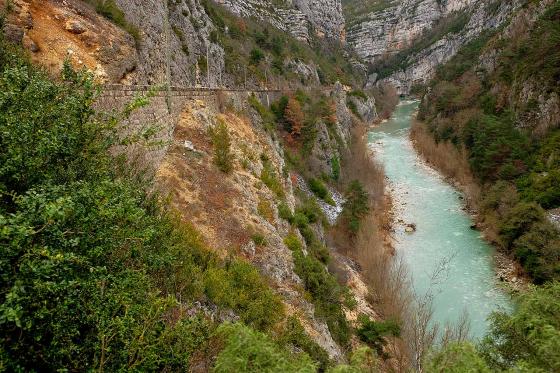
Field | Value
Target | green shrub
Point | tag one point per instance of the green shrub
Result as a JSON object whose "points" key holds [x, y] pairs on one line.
{"points": [[258, 239], [353, 108], [457, 358], [239, 286], [256, 57], [294, 335], [320, 190], [358, 93], [529, 337], [248, 351], [92, 264], [270, 178], [374, 332], [335, 168], [356, 206], [223, 158], [300, 220], [284, 212], [266, 115], [292, 242], [326, 293], [519, 220], [264, 209], [312, 211]]}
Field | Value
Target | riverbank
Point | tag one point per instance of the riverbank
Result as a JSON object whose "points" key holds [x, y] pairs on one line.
{"points": [[446, 262], [452, 165]]}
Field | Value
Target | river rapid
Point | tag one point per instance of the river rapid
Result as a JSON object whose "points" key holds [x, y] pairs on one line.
{"points": [[443, 241]]}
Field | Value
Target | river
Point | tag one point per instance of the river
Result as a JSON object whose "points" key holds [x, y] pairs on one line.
{"points": [[443, 236]]}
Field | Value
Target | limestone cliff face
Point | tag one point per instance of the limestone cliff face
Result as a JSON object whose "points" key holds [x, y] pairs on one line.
{"points": [[396, 27], [545, 114], [423, 65], [301, 18], [182, 46]]}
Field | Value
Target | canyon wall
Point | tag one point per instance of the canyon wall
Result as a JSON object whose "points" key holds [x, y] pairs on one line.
{"points": [[395, 28], [443, 26], [422, 65], [301, 18]]}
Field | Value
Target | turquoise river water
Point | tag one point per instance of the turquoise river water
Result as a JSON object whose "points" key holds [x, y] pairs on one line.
{"points": [[443, 234]]}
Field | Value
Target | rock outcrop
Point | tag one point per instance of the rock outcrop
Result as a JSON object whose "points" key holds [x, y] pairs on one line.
{"points": [[55, 31], [182, 46], [394, 28], [422, 65], [301, 18], [398, 27]]}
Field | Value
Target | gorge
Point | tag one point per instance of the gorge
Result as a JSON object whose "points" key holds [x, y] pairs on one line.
{"points": [[230, 186]]}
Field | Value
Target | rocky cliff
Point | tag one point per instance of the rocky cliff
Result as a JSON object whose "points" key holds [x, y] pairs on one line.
{"points": [[395, 27], [301, 18], [421, 66], [174, 35], [150, 42], [414, 37]]}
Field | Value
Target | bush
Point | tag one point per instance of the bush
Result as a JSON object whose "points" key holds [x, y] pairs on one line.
{"points": [[335, 168], [238, 286], [284, 212], [529, 337], [92, 264], [292, 242], [258, 239], [374, 332], [270, 178], [293, 115], [248, 351], [264, 209], [326, 293], [356, 206], [320, 190], [520, 220], [457, 358], [294, 335], [256, 57], [223, 158]]}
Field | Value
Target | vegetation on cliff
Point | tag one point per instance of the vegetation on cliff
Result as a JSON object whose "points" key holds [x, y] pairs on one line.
{"points": [[511, 152], [255, 49], [96, 272]]}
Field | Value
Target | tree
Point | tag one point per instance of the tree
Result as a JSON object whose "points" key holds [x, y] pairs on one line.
{"points": [[356, 206], [528, 338], [222, 147], [294, 117], [457, 358], [256, 57]]}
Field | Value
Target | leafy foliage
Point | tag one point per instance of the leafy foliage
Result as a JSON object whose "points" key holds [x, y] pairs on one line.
{"points": [[223, 158], [356, 206], [481, 111], [250, 351], [525, 341], [320, 190], [529, 339], [457, 358], [95, 273], [374, 332]]}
